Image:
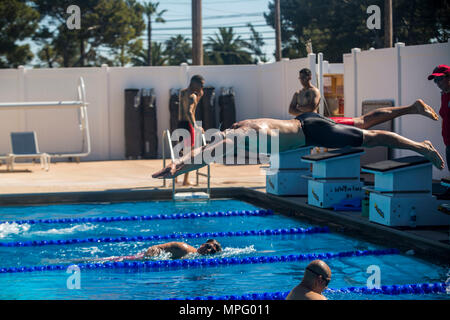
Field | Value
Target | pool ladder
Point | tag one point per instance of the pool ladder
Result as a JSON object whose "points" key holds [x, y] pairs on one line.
{"points": [[184, 196]]}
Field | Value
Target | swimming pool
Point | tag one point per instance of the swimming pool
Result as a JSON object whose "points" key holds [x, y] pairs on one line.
{"points": [[130, 225]]}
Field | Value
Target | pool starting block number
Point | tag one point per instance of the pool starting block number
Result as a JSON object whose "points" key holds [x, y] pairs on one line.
{"points": [[402, 195], [335, 177], [284, 176]]}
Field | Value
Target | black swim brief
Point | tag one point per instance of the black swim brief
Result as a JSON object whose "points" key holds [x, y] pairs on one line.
{"points": [[323, 132]]}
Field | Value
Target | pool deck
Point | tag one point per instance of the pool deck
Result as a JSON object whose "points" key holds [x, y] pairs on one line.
{"points": [[107, 181]]}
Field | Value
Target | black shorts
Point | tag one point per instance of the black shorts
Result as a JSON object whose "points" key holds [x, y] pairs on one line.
{"points": [[323, 132]]}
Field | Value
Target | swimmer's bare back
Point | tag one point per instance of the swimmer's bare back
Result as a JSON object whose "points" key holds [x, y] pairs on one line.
{"points": [[176, 249]]}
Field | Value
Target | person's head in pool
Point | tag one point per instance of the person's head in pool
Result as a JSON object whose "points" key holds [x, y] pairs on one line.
{"points": [[315, 280], [211, 246]]}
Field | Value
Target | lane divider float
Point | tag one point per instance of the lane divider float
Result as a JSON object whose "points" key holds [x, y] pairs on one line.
{"points": [[417, 288], [191, 215], [188, 263], [266, 232]]}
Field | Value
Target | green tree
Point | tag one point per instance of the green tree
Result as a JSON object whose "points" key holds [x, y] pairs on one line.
{"points": [[178, 50], [334, 27], [255, 45], [139, 58], [106, 25], [120, 25], [227, 48], [18, 21], [48, 54], [72, 47], [150, 10]]}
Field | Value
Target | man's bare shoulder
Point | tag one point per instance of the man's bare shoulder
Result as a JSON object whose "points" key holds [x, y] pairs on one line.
{"points": [[300, 293]]}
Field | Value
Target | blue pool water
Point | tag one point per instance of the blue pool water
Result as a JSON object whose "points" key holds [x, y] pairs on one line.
{"points": [[186, 282]]}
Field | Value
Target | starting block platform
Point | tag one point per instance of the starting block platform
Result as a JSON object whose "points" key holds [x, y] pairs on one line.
{"points": [[284, 176], [402, 195], [335, 177], [445, 206]]}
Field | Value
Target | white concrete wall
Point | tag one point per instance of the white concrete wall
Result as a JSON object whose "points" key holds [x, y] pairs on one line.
{"points": [[399, 74], [261, 91]]}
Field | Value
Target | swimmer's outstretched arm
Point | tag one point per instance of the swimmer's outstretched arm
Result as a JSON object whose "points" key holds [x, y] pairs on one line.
{"points": [[186, 163]]}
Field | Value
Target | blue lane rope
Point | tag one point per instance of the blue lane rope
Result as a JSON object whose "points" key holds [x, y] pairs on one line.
{"points": [[267, 232], [191, 215], [418, 288], [187, 263]]}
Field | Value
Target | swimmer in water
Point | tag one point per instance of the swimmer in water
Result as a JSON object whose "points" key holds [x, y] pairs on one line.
{"points": [[316, 278], [177, 250]]}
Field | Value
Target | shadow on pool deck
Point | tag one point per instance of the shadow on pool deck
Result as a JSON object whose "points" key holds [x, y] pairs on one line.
{"points": [[131, 180]]}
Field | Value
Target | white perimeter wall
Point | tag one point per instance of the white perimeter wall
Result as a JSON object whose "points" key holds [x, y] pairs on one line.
{"points": [[399, 74], [261, 91]]}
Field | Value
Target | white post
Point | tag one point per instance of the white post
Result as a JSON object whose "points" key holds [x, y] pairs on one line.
{"points": [[106, 91], [184, 74], [320, 82], [355, 52], [398, 122], [312, 67]]}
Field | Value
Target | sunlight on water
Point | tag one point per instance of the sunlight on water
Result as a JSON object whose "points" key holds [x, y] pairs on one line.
{"points": [[7, 229], [64, 231]]}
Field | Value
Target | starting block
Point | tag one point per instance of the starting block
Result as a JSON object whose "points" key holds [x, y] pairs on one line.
{"points": [[335, 177], [445, 207], [402, 195], [446, 182], [284, 176]]}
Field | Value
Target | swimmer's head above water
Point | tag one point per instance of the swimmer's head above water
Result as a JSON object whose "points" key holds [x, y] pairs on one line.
{"points": [[211, 246]]}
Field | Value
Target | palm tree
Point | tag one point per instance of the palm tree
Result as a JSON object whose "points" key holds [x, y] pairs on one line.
{"points": [[225, 48], [139, 58], [178, 50], [150, 10]]}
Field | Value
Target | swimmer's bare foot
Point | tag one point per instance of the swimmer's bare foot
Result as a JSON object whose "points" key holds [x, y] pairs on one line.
{"points": [[432, 155], [422, 108], [188, 184]]}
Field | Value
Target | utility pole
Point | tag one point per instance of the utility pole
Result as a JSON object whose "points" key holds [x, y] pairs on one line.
{"points": [[277, 31], [197, 39], [388, 28]]}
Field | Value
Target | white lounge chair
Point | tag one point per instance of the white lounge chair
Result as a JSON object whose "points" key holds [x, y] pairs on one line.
{"points": [[24, 145]]}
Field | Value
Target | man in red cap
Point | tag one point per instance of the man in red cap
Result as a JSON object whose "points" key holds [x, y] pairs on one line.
{"points": [[441, 76]]}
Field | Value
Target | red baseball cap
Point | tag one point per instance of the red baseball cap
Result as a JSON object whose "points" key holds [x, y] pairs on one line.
{"points": [[439, 71]]}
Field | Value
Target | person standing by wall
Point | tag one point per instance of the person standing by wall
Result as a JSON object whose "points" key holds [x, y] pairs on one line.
{"points": [[189, 99], [441, 76]]}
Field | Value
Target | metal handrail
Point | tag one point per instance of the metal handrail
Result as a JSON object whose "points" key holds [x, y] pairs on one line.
{"points": [[166, 137]]}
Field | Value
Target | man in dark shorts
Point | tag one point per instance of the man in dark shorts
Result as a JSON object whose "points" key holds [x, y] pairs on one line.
{"points": [[441, 77], [189, 99]]}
